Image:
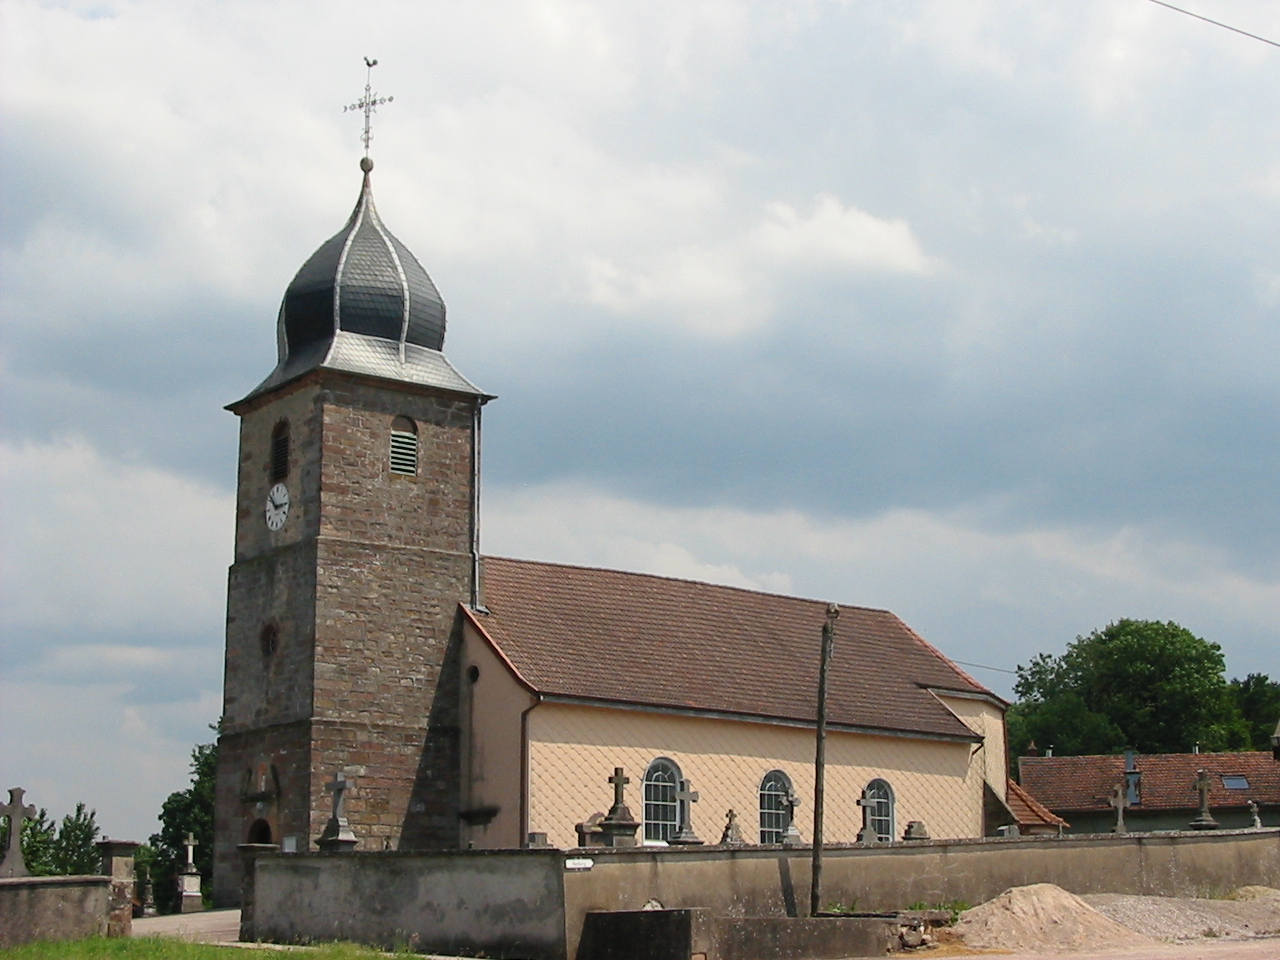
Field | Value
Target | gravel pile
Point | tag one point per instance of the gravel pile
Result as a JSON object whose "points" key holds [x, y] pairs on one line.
{"points": [[1254, 912], [1042, 917]]}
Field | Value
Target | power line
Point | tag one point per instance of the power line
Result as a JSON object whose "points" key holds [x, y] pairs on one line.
{"points": [[1216, 23], [983, 666]]}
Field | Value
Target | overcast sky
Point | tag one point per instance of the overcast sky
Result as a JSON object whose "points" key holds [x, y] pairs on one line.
{"points": [[967, 310]]}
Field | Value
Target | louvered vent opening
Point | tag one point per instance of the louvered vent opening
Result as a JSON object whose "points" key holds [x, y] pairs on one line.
{"points": [[280, 452], [404, 447]]}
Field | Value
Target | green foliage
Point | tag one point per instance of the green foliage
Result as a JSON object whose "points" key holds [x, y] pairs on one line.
{"points": [[1258, 698], [1150, 686], [953, 907], [187, 811], [49, 849]]}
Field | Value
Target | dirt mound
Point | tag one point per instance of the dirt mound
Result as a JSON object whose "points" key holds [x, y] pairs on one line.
{"points": [[1173, 918], [1042, 917]]}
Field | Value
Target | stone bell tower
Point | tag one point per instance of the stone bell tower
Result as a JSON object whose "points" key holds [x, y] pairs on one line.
{"points": [[356, 539]]}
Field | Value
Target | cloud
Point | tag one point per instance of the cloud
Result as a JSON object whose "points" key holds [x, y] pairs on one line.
{"points": [[732, 286]]}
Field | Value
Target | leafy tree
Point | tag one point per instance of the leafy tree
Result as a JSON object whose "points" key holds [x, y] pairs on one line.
{"points": [[187, 811], [52, 850], [1258, 698], [1150, 686]]}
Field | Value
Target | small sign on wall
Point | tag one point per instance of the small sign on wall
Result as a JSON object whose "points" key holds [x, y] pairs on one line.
{"points": [[579, 863]]}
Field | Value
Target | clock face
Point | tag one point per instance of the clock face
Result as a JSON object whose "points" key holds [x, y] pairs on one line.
{"points": [[277, 506]]}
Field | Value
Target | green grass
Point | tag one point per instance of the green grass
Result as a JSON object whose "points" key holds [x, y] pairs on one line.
{"points": [[953, 907], [165, 948]]}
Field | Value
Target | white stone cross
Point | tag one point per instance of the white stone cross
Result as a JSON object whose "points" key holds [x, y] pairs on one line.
{"points": [[1120, 803], [338, 786], [16, 811], [191, 844]]}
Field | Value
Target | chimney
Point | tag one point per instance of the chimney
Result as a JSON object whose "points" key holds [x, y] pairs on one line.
{"points": [[1032, 750], [1132, 779], [1275, 743]]}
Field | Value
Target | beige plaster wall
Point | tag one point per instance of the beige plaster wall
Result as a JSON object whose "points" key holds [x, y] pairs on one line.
{"points": [[987, 720], [573, 750], [492, 764]]}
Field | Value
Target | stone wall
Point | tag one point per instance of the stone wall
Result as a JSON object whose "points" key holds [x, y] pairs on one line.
{"points": [[500, 903], [52, 908]]}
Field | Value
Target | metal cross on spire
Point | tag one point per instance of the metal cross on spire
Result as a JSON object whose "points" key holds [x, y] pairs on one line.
{"points": [[369, 103]]}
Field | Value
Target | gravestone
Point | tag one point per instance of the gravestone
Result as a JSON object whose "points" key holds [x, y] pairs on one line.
{"points": [[337, 836], [589, 831], [1253, 812], [866, 835], [916, 830], [117, 863], [732, 835], [1204, 821], [618, 828], [791, 836], [13, 864], [189, 897], [687, 797], [1119, 802]]}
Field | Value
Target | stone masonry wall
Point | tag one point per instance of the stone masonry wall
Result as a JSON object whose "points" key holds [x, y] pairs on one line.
{"points": [[362, 583], [395, 560]]}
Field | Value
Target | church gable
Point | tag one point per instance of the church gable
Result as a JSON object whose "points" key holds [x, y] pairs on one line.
{"points": [[587, 634]]}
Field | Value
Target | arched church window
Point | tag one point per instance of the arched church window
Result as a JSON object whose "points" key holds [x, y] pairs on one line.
{"points": [[878, 804], [280, 451], [775, 806], [404, 447], [661, 808]]}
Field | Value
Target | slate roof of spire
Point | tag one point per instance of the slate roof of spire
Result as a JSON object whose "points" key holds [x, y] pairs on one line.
{"points": [[363, 303], [654, 642]]}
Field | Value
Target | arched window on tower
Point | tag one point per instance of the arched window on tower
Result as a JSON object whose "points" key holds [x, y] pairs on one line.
{"points": [[280, 451], [404, 447], [775, 806], [878, 808], [661, 808]]}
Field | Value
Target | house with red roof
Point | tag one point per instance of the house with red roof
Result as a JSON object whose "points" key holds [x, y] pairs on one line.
{"points": [[1161, 789]]}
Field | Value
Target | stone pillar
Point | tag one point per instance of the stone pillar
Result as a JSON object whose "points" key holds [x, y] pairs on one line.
{"points": [[249, 853], [117, 863]]}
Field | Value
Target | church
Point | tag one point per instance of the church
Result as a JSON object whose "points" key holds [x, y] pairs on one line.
{"points": [[486, 702]]}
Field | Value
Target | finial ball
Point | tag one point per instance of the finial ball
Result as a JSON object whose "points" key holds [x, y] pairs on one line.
{"points": [[366, 164]]}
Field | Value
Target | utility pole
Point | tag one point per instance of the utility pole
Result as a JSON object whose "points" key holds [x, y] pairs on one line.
{"points": [[820, 758]]}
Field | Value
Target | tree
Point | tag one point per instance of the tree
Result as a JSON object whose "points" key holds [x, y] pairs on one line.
{"points": [[1141, 684], [187, 811], [52, 850], [1258, 698]]}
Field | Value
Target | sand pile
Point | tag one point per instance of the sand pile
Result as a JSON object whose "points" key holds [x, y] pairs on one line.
{"points": [[1256, 893], [1042, 917]]}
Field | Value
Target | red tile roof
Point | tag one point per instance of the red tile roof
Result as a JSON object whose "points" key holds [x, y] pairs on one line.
{"points": [[1082, 784], [1030, 811], [605, 635]]}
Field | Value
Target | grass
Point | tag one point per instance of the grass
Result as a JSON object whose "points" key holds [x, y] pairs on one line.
{"points": [[166, 948], [953, 907]]}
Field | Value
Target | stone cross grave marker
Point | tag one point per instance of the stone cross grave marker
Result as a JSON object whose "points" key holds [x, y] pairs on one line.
{"points": [[866, 835], [1204, 820], [13, 865], [191, 844], [732, 836], [687, 797], [339, 786], [1119, 801], [619, 781]]}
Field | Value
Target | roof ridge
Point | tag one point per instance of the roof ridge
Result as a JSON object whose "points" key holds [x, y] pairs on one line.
{"points": [[701, 583]]}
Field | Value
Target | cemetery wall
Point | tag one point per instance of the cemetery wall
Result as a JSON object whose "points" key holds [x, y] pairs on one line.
{"points": [[52, 908], [526, 903]]}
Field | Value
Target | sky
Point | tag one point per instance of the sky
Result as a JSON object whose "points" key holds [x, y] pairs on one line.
{"points": [[969, 311]]}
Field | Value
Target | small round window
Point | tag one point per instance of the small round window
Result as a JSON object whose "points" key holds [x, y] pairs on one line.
{"points": [[404, 447]]}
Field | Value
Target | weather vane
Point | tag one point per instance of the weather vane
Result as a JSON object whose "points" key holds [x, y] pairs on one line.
{"points": [[369, 103]]}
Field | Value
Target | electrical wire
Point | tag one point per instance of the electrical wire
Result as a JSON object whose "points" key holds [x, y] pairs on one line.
{"points": [[1216, 23], [983, 666]]}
